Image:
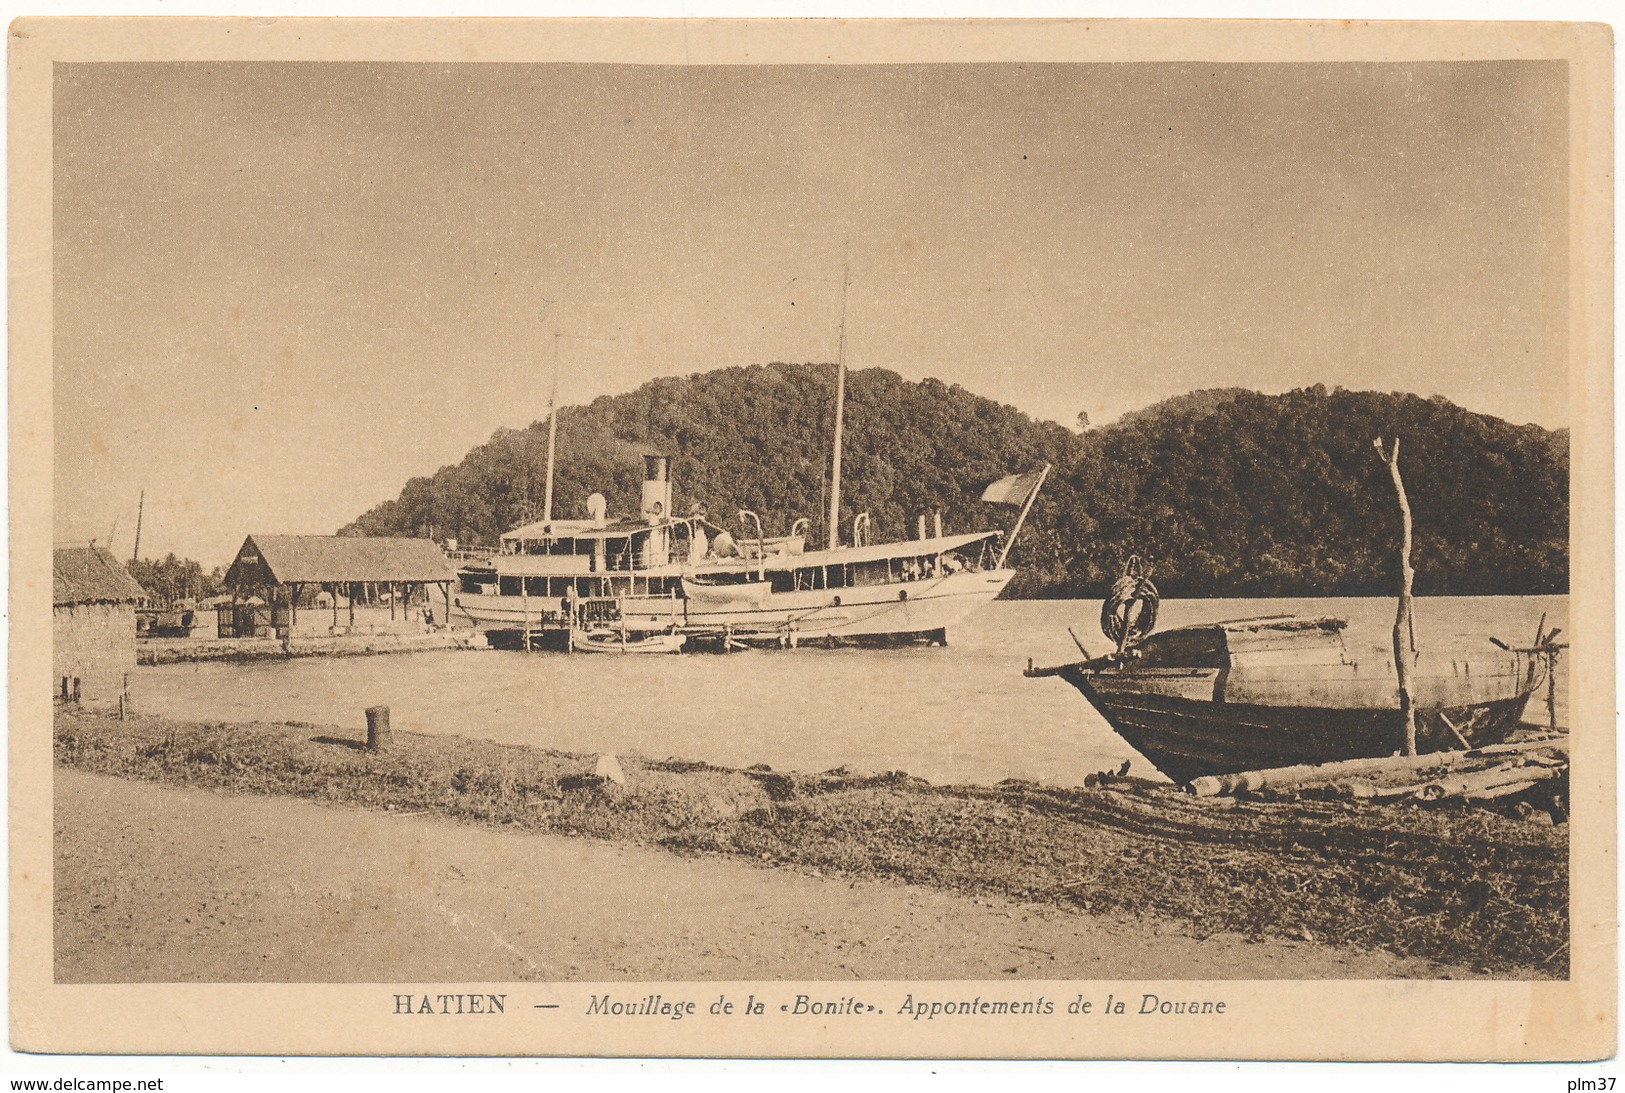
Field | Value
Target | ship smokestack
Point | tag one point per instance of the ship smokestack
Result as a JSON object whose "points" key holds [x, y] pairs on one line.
{"points": [[656, 488]]}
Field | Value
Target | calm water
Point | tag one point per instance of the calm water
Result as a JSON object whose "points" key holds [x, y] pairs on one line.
{"points": [[961, 714]]}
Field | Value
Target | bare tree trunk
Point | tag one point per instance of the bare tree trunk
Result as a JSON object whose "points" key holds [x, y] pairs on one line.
{"points": [[1404, 622]]}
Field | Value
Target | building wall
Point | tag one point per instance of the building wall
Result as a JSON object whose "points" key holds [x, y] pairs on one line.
{"points": [[369, 619], [205, 623], [318, 621], [94, 643]]}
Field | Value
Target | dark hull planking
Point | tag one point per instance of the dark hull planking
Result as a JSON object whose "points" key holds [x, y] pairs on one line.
{"points": [[1186, 738]]}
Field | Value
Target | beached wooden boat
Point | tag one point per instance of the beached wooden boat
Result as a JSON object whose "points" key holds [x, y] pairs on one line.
{"points": [[1235, 696]]}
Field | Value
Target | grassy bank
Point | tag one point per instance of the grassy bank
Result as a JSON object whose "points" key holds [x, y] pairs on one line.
{"points": [[1448, 884]]}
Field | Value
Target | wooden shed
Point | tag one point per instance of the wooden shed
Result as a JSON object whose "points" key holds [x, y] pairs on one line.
{"points": [[93, 626], [280, 566]]}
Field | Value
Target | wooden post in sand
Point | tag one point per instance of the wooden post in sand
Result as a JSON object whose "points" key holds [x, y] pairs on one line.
{"points": [[524, 607], [1404, 623], [1551, 684], [378, 735]]}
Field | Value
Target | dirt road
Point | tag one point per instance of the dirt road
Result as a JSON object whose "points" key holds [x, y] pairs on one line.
{"points": [[185, 885]]}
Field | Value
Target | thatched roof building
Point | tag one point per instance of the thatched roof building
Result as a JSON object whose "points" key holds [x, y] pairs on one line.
{"points": [[91, 575], [265, 561], [92, 627], [284, 564]]}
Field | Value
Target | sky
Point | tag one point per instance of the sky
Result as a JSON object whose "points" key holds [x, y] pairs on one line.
{"points": [[281, 290]]}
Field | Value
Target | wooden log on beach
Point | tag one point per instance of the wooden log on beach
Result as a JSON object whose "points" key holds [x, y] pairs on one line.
{"points": [[1487, 783], [378, 733], [1511, 789], [1319, 774]]}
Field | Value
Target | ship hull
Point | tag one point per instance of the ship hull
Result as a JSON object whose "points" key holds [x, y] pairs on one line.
{"points": [[1177, 724], [880, 613]]}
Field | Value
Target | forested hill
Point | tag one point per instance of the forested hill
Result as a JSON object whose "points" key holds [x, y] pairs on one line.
{"points": [[1231, 492], [1192, 405], [755, 438]]}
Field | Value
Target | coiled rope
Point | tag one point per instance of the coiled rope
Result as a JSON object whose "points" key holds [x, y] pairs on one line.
{"points": [[1130, 610]]}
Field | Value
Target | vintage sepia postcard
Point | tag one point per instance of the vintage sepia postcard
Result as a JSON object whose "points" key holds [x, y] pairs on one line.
{"points": [[1015, 539]]}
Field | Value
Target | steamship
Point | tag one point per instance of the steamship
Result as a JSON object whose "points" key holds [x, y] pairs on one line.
{"points": [[553, 583], [659, 582]]}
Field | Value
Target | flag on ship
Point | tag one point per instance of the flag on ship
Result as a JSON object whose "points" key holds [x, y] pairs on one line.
{"points": [[1013, 490]]}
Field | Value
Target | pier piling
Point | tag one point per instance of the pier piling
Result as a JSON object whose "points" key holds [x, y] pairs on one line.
{"points": [[378, 734]]}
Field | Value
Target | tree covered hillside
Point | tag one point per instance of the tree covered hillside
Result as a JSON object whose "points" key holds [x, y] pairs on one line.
{"points": [[756, 438], [1231, 493], [1284, 494]]}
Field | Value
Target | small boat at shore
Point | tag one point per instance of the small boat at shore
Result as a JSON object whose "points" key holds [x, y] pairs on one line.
{"points": [[607, 640], [1226, 697]]}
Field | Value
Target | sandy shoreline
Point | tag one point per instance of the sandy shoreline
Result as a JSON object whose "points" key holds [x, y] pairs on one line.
{"points": [[153, 651], [157, 884], [1129, 879]]}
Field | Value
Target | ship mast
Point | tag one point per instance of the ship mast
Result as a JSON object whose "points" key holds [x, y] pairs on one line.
{"points": [[140, 509], [840, 413], [552, 434]]}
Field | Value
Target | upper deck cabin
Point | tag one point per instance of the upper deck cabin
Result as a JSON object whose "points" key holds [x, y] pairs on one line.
{"points": [[848, 567], [598, 544], [576, 546]]}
